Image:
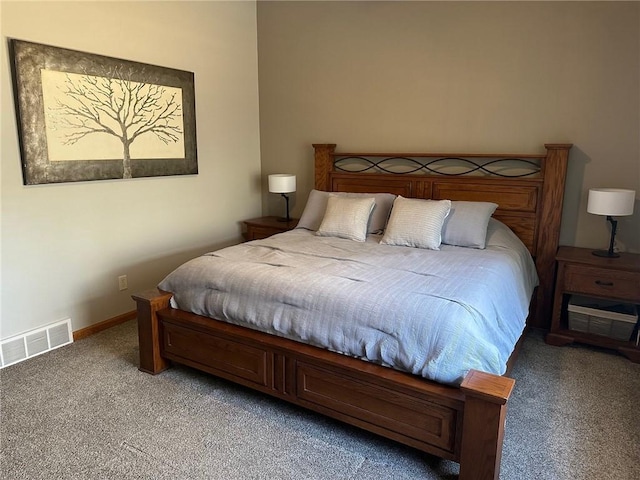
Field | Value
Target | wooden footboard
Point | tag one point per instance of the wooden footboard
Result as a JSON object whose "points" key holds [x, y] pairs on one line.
{"points": [[463, 424]]}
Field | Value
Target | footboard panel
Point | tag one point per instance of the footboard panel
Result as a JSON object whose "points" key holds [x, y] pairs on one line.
{"points": [[405, 417], [234, 360]]}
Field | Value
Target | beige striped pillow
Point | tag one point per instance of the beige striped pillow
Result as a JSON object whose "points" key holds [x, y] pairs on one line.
{"points": [[346, 217], [416, 223]]}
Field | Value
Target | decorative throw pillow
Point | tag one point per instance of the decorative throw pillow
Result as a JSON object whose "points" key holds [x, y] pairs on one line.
{"points": [[317, 204], [466, 225], [346, 218], [416, 223]]}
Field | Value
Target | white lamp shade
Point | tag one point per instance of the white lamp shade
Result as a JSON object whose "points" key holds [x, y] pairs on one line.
{"points": [[282, 183], [614, 202]]}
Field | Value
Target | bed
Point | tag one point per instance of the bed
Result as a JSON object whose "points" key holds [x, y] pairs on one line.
{"points": [[456, 416]]}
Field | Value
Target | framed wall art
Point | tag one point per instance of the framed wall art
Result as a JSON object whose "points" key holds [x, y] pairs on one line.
{"points": [[89, 117]]}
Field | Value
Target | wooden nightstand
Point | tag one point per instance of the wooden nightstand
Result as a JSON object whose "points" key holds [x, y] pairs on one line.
{"points": [[582, 273], [264, 227]]}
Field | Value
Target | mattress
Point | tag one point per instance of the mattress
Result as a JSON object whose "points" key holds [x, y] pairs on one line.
{"points": [[435, 314]]}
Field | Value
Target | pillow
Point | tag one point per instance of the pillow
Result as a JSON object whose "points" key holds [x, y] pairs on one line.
{"points": [[317, 204], [466, 224], [346, 218], [416, 223]]}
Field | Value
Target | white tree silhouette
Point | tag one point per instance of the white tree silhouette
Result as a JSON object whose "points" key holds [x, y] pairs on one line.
{"points": [[119, 107]]}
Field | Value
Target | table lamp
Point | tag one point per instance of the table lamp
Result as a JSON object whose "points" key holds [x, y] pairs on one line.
{"points": [[283, 183], [610, 202]]}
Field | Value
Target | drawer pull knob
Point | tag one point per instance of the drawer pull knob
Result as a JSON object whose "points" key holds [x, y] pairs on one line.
{"points": [[603, 283]]}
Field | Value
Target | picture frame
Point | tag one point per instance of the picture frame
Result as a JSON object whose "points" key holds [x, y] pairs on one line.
{"points": [[83, 116]]}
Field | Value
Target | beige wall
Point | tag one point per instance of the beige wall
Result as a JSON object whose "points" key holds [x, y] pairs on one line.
{"points": [[457, 76], [63, 246]]}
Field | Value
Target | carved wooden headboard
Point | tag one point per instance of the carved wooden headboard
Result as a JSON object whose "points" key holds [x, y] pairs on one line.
{"points": [[528, 189]]}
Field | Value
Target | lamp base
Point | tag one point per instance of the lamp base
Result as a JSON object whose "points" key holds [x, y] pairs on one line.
{"points": [[287, 218], [612, 242], [605, 253]]}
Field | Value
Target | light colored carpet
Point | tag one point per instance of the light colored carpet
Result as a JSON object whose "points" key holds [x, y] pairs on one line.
{"points": [[85, 412]]}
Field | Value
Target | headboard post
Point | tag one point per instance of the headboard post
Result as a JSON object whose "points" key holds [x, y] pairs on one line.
{"points": [[324, 164], [554, 172]]}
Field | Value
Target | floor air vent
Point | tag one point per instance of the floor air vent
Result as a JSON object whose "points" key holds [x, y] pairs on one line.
{"points": [[35, 342]]}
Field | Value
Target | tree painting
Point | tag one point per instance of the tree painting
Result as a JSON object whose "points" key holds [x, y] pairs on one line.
{"points": [[93, 112], [83, 116]]}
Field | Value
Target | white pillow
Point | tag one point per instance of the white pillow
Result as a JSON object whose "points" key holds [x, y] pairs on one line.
{"points": [[346, 218], [466, 224], [416, 223], [316, 206]]}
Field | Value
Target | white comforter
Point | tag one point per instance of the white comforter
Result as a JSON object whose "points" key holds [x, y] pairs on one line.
{"points": [[436, 314]]}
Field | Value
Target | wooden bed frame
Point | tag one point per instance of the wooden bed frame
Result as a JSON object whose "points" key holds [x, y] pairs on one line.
{"points": [[464, 424]]}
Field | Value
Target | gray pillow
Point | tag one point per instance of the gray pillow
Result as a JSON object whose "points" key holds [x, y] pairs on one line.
{"points": [[466, 225], [313, 213]]}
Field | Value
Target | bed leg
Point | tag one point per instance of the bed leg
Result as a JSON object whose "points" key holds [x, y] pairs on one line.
{"points": [[148, 304], [483, 431]]}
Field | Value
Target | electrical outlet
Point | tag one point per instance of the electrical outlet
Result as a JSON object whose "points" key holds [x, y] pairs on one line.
{"points": [[122, 282]]}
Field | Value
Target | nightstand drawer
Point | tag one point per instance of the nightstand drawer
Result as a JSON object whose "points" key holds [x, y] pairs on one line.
{"points": [[263, 227], [602, 282], [258, 233]]}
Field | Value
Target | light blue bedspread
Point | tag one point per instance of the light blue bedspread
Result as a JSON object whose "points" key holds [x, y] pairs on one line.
{"points": [[435, 314]]}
